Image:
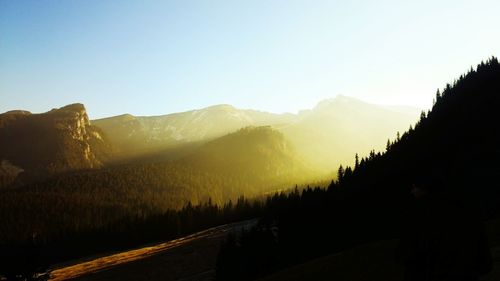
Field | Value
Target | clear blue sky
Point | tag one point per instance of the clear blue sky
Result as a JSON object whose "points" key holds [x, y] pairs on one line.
{"points": [[157, 57]]}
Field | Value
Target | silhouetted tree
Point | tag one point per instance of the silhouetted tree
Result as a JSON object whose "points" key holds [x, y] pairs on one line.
{"points": [[340, 174]]}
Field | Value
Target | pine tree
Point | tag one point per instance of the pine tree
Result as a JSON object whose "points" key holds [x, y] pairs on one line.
{"points": [[340, 175], [438, 96]]}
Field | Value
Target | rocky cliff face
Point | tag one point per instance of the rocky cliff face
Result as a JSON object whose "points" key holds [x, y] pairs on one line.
{"points": [[56, 141]]}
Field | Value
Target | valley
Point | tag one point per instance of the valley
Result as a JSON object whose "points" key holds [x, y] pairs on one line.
{"points": [[249, 140]]}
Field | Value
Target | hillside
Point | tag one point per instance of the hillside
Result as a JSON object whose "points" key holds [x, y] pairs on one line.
{"points": [[38, 145], [336, 129], [454, 146], [249, 162], [377, 260], [259, 155]]}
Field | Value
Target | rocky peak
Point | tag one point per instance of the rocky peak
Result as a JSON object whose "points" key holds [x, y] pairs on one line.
{"points": [[56, 141], [72, 118]]}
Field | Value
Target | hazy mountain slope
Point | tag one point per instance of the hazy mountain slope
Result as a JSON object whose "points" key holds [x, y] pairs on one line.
{"points": [[255, 154], [325, 136], [124, 131], [336, 129], [249, 162], [136, 135], [52, 142]]}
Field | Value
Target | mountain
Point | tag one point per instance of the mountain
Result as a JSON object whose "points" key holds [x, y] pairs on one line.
{"points": [[336, 129], [136, 135], [37, 145], [256, 154], [329, 134]]}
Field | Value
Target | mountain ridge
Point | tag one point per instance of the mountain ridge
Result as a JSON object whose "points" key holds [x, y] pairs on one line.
{"points": [[145, 134], [65, 139], [47, 143]]}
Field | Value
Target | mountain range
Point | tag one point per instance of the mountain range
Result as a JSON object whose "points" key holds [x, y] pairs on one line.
{"points": [[325, 136], [34, 146]]}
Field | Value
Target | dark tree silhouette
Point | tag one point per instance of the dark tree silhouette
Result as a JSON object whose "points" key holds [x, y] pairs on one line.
{"points": [[457, 141]]}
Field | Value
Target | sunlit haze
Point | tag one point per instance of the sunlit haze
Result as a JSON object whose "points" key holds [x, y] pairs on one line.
{"points": [[157, 57], [148, 140]]}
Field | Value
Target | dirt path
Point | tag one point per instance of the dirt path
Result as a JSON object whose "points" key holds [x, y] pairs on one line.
{"points": [[191, 257]]}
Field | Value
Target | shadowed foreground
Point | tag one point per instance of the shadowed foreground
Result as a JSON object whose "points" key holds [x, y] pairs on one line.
{"points": [[189, 258], [371, 262]]}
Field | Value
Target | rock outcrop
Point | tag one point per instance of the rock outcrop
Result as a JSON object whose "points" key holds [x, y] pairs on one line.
{"points": [[53, 142]]}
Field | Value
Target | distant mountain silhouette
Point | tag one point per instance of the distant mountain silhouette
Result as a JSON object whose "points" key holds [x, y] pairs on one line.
{"points": [[38, 145], [324, 137], [136, 135], [336, 129]]}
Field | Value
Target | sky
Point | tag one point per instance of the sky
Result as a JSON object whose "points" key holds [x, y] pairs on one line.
{"points": [[158, 57]]}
